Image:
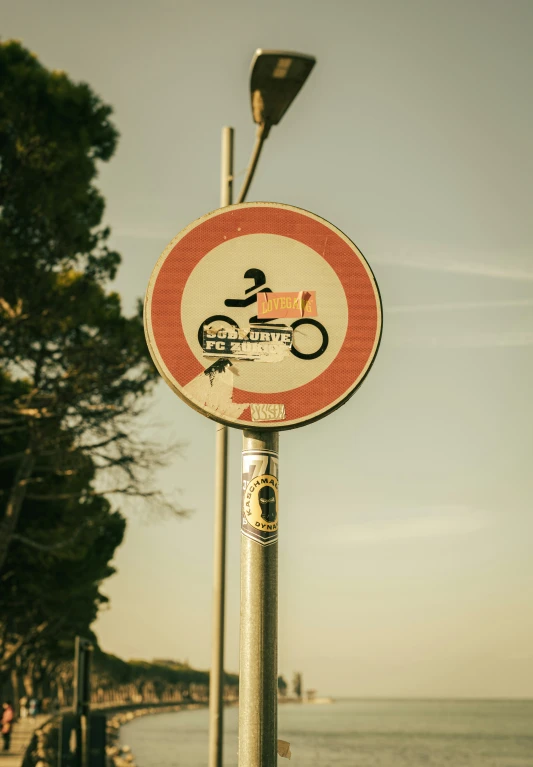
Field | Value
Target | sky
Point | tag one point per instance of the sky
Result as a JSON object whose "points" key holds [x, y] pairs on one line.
{"points": [[405, 548]]}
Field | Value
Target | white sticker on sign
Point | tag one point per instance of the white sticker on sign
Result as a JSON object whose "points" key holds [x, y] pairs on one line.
{"points": [[267, 412], [261, 343]]}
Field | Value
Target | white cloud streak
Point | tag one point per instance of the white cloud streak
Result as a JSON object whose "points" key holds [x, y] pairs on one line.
{"points": [[444, 264], [467, 341], [458, 306], [434, 522], [142, 234]]}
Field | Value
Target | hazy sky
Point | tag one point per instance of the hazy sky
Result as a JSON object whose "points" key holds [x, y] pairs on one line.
{"points": [[406, 562]]}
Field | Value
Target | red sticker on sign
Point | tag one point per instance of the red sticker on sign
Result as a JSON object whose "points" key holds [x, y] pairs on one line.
{"points": [[279, 305]]}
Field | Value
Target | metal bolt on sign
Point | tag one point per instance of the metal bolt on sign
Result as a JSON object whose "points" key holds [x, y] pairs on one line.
{"points": [[263, 317]]}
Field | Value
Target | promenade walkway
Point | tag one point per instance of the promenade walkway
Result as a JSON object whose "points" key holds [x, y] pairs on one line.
{"points": [[20, 740]]}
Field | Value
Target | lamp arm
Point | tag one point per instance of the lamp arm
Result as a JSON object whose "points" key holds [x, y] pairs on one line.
{"points": [[262, 132]]}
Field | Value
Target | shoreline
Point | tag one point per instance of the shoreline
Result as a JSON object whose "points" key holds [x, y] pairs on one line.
{"points": [[118, 755]]}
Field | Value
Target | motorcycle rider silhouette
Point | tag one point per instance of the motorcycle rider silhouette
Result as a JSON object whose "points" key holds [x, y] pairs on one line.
{"points": [[259, 279]]}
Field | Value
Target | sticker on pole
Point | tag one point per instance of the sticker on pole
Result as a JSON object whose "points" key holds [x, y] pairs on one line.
{"points": [[260, 496], [263, 315]]}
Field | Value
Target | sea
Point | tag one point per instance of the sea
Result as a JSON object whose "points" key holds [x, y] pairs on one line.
{"points": [[355, 733]]}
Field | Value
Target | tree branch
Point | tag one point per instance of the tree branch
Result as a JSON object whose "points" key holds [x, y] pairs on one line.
{"points": [[128, 490], [15, 501], [53, 546], [6, 660], [12, 457], [104, 443]]}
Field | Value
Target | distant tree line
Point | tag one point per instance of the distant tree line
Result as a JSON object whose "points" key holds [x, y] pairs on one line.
{"points": [[297, 686], [114, 681], [74, 375]]}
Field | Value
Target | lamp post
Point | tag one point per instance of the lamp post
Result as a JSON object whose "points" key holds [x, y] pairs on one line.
{"points": [[276, 78], [216, 677], [82, 694]]}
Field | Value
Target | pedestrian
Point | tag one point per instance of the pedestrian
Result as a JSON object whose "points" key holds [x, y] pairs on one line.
{"points": [[7, 723], [32, 707]]}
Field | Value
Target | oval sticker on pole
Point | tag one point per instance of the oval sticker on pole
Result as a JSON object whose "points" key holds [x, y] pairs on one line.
{"points": [[263, 315]]}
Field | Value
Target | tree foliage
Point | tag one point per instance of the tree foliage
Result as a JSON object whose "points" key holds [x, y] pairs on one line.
{"points": [[52, 132], [50, 586], [160, 675], [73, 369]]}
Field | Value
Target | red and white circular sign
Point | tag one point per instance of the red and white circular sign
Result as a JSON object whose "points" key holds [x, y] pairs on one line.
{"points": [[262, 315]]}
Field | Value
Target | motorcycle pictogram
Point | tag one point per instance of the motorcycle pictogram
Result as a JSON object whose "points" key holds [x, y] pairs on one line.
{"points": [[259, 281]]}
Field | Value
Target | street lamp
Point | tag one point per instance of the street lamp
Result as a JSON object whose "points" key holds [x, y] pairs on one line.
{"points": [[276, 78], [275, 81]]}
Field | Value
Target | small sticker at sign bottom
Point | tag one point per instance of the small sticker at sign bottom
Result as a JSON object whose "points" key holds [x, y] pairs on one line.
{"points": [[267, 412], [259, 519]]}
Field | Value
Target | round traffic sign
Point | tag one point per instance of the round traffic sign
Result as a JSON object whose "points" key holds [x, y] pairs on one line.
{"points": [[263, 315]]}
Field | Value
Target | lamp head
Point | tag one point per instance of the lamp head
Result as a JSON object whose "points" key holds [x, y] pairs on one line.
{"points": [[275, 81]]}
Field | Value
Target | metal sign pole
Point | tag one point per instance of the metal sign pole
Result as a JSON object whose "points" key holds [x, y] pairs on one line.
{"points": [[216, 680], [258, 702], [82, 695]]}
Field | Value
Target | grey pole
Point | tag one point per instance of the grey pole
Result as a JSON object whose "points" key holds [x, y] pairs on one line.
{"points": [[258, 701], [82, 695], [216, 680]]}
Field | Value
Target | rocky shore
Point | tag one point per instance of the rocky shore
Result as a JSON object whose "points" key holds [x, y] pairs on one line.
{"points": [[44, 746], [121, 755]]}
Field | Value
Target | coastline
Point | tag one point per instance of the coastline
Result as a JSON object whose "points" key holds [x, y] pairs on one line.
{"points": [[121, 755], [486, 733]]}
